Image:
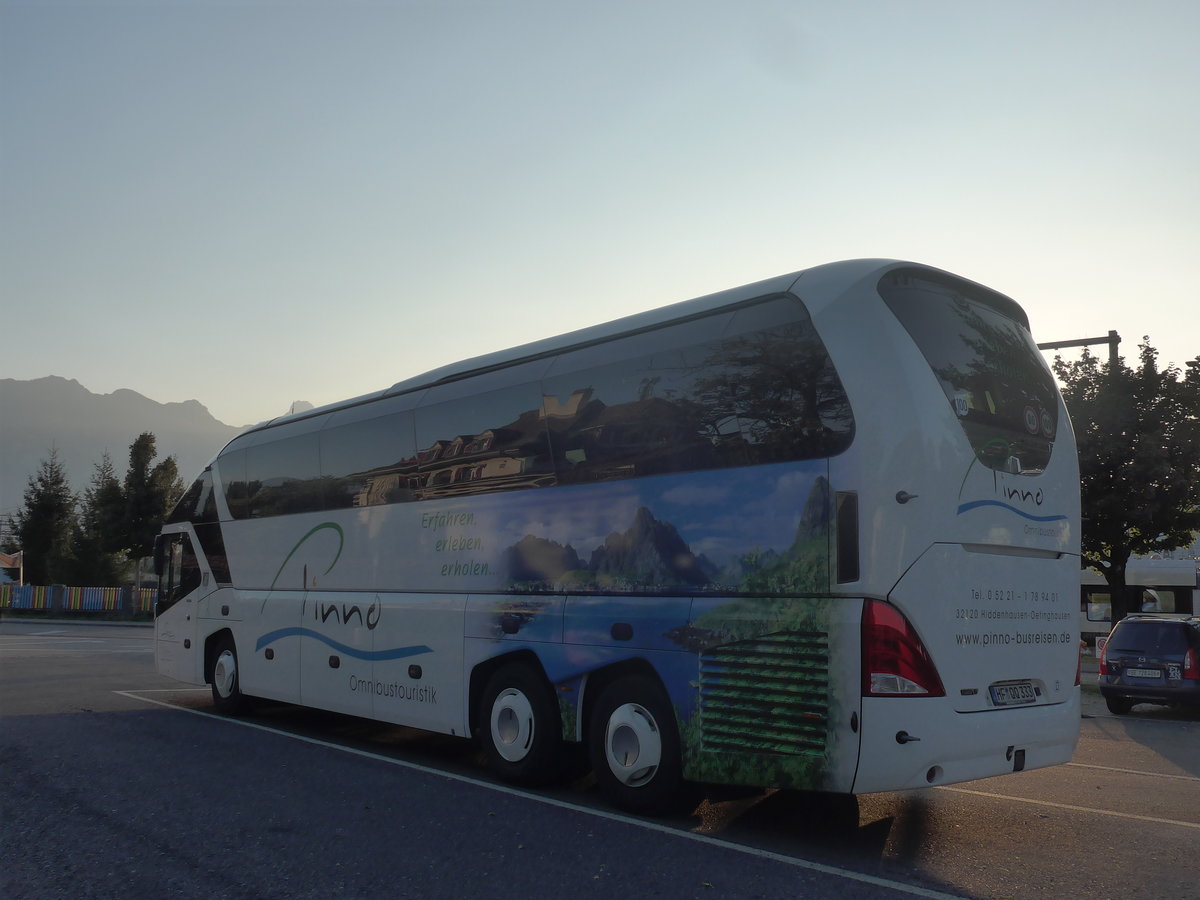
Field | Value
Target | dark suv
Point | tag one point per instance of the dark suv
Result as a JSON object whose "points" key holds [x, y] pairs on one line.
{"points": [[1151, 658]]}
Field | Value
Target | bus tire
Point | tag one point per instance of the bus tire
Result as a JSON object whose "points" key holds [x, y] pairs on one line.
{"points": [[227, 695], [520, 727], [1118, 706], [633, 743]]}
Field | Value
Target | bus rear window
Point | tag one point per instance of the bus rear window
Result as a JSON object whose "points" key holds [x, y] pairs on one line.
{"points": [[979, 347]]}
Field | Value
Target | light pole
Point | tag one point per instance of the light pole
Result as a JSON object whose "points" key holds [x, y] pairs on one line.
{"points": [[1113, 340]]}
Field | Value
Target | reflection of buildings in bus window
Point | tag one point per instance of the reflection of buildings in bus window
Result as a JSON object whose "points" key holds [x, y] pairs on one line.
{"points": [[553, 408], [501, 458]]}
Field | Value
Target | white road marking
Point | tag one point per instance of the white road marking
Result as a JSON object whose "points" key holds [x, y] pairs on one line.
{"points": [[1134, 772], [797, 862], [1072, 808]]}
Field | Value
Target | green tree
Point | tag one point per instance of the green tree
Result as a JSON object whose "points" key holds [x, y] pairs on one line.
{"points": [[45, 525], [99, 529], [1138, 432], [150, 491]]}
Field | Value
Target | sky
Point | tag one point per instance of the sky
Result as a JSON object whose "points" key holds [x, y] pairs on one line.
{"points": [[254, 203]]}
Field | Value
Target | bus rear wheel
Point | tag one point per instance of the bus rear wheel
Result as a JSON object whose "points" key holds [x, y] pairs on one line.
{"points": [[634, 747], [520, 727], [226, 679]]}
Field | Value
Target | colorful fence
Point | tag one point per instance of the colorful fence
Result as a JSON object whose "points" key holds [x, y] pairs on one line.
{"points": [[26, 596], [93, 598], [59, 598], [145, 598]]}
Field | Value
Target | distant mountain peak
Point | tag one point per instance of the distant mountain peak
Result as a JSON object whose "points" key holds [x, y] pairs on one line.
{"points": [[59, 412]]}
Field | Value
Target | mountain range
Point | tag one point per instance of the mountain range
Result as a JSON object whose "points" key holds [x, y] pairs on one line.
{"points": [[60, 413]]}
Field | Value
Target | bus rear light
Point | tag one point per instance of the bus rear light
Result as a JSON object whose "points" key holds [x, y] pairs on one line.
{"points": [[894, 661]]}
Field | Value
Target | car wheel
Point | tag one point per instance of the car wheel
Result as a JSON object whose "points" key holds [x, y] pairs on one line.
{"points": [[520, 727], [1118, 706]]}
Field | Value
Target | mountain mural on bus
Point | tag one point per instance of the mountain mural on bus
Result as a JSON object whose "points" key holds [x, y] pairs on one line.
{"points": [[758, 530], [748, 607]]}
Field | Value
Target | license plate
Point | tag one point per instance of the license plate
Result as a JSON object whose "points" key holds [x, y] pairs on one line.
{"points": [[1013, 694], [1143, 673]]}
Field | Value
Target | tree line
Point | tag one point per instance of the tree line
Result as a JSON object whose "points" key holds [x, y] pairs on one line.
{"points": [[94, 538], [1138, 431]]}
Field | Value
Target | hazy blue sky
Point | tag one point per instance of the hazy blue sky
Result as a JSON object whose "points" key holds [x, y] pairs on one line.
{"points": [[253, 203]]}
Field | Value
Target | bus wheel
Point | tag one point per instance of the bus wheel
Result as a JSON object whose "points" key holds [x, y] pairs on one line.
{"points": [[634, 747], [520, 725], [226, 679]]}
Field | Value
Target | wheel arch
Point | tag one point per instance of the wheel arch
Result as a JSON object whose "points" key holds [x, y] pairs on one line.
{"points": [[600, 679], [484, 671], [210, 651]]}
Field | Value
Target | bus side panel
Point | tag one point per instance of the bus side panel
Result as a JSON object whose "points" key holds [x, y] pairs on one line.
{"points": [[777, 693], [177, 652], [336, 642], [418, 662], [268, 654]]}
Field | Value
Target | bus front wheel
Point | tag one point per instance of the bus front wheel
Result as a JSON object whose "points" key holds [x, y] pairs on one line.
{"points": [[226, 679], [634, 747], [520, 726]]}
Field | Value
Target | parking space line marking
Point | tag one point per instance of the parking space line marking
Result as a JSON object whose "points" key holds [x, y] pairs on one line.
{"points": [[1067, 806], [795, 861], [1134, 772]]}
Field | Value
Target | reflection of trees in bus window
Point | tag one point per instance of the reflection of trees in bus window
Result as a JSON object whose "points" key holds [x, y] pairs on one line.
{"points": [[632, 418], [767, 394], [784, 395], [988, 365], [283, 476], [232, 466], [1011, 404]]}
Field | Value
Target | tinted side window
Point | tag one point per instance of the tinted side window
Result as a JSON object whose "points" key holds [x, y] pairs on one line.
{"points": [[784, 389], [369, 462], [178, 570], [187, 504], [736, 388], [643, 416], [494, 441], [283, 476], [232, 468], [766, 391]]}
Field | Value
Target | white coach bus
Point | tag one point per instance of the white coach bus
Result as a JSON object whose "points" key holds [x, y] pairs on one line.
{"points": [[819, 532]]}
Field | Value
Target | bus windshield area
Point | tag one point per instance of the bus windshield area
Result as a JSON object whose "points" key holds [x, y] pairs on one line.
{"points": [[987, 364]]}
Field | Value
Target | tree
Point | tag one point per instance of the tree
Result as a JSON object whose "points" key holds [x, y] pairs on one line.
{"points": [[99, 528], [44, 526], [1139, 457], [150, 492]]}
